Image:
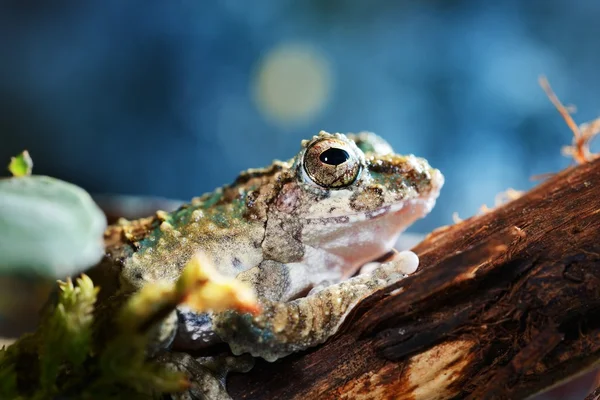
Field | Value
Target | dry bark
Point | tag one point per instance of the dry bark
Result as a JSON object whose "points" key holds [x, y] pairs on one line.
{"points": [[504, 305]]}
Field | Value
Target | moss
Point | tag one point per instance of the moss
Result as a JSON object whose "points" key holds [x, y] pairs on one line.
{"points": [[59, 359], [62, 358]]}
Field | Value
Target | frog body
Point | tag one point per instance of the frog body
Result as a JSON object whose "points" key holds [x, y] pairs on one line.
{"points": [[300, 226]]}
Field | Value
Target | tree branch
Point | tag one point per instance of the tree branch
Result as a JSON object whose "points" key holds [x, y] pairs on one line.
{"points": [[504, 305]]}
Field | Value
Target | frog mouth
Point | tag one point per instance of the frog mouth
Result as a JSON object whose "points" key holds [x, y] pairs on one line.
{"points": [[360, 238]]}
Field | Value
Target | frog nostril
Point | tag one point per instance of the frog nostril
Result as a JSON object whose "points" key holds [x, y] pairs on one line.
{"points": [[334, 156]]}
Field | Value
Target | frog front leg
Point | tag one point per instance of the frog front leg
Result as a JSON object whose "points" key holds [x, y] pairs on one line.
{"points": [[286, 327]]}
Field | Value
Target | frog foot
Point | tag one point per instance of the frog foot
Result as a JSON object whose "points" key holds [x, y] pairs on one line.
{"points": [[284, 328], [206, 374]]}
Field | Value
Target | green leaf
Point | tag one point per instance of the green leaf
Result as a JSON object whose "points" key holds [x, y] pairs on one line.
{"points": [[21, 165], [48, 226]]}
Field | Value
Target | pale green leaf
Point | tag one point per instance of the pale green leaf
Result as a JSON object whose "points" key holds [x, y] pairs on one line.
{"points": [[48, 226]]}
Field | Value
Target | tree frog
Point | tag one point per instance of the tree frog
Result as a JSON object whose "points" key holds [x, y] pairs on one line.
{"points": [[298, 232]]}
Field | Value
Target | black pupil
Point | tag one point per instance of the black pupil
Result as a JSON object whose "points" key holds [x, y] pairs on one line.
{"points": [[334, 156]]}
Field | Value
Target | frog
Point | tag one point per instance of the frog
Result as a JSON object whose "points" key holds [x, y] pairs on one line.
{"points": [[298, 233]]}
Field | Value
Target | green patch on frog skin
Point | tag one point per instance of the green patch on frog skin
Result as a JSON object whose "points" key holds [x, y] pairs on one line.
{"points": [[389, 180], [366, 147], [223, 216], [182, 216], [220, 219], [226, 215], [220, 214], [243, 326], [212, 199], [418, 180]]}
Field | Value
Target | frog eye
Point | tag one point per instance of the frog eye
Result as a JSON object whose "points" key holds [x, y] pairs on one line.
{"points": [[331, 163]]}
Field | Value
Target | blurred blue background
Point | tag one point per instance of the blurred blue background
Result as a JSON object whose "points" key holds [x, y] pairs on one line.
{"points": [[174, 98]]}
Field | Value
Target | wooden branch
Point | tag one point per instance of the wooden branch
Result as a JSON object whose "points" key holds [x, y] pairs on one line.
{"points": [[504, 305]]}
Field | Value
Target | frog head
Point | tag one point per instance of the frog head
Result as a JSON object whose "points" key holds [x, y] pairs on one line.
{"points": [[346, 206], [341, 202]]}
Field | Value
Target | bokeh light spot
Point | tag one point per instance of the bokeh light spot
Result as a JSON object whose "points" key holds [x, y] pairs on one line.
{"points": [[292, 83]]}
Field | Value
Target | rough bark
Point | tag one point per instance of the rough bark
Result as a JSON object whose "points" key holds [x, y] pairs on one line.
{"points": [[504, 305]]}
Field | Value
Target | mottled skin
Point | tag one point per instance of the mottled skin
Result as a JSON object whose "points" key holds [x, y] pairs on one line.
{"points": [[292, 228]]}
